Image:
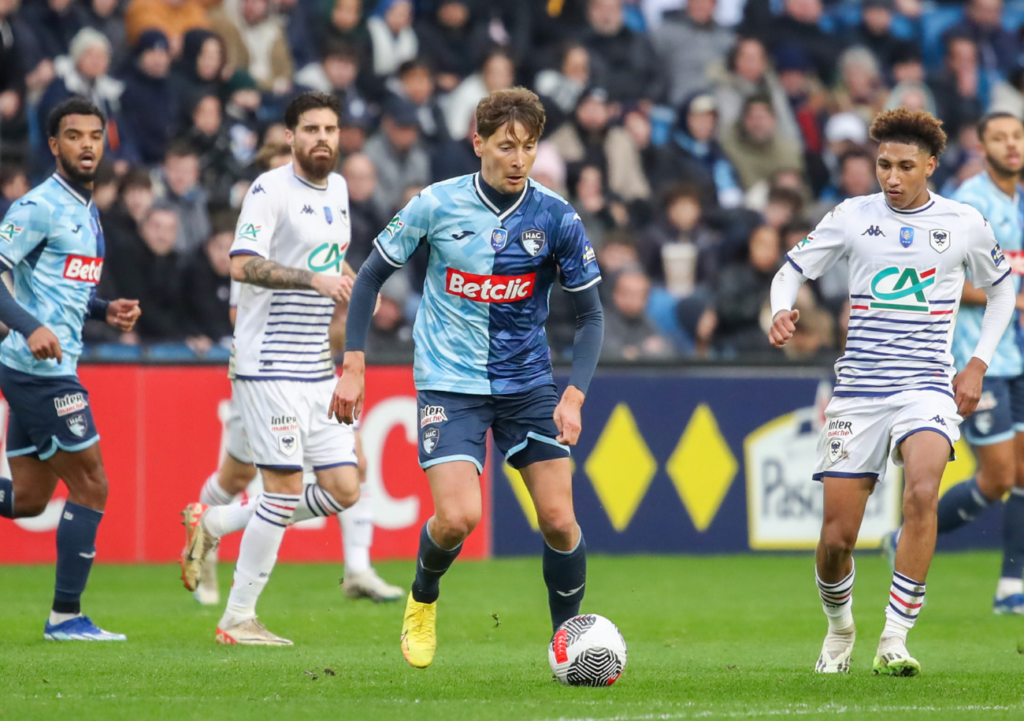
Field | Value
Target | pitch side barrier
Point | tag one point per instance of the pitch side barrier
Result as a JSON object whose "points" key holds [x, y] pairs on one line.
{"points": [[672, 459]]}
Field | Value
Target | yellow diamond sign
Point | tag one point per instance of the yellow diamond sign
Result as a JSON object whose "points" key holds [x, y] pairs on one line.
{"points": [[702, 467], [621, 467], [961, 469], [522, 495]]}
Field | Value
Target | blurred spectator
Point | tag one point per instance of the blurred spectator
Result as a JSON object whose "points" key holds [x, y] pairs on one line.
{"points": [[352, 130], [748, 75], [549, 169], [599, 211], [860, 89], [856, 178], [149, 271], [1008, 95], [105, 187], [241, 116], [800, 25], [496, 73], [629, 334], [206, 288], [255, 40], [589, 137], [219, 171], [452, 41], [814, 339], [106, 17], [875, 31], [912, 96], [807, 101], [454, 157], [336, 74], [397, 153], [392, 37], [13, 185], [688, 44], [680, 250], [783, 206], [754, 146], [54, 23], [616, 253], [956, 86], [621, 60], [742, 291], [177, 185], [149, 106], [390, 333], [173, 18], [694, 156], [199, 70], [908, 64], [562, 87], [347, 27], [998, 48], [843, 132], [367, 217], [416, 84], [273, 155], [299, 18]]}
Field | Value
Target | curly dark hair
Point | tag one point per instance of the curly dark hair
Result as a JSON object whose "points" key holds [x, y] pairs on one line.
{"points": [[913, 127]]}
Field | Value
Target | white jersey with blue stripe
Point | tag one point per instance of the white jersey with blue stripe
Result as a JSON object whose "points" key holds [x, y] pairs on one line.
{"points": [[907, 271], [480, 327], [1004, 215], [283, 334], [52, 243]]}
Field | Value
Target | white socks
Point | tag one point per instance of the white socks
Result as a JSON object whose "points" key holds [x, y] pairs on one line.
{"points": [[219, 521], [58, 618], [213, 495], [906, 596], [315, 502], [1009, 587], [257, 555], [357, 534], [837, 600]]}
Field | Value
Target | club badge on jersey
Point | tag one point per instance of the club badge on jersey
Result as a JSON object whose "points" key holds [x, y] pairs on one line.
{"points": [[906, 237]]}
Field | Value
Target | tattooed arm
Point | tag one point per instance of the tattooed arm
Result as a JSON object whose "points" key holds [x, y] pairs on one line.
{"points": [[256, 270]]}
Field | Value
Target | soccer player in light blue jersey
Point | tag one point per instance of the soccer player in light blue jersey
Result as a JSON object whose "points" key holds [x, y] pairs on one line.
{"points": [[996, 430], [498, 241], [51, 242]]}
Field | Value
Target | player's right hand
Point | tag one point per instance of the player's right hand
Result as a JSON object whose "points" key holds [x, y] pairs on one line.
{"points": [[43, 344], [783, 327], [336, 287], [347, 401]]}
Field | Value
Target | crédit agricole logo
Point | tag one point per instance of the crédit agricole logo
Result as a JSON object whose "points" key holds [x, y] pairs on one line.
{"points": [[903, 289]]}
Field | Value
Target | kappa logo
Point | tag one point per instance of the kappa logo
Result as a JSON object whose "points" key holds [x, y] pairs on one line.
{"points": [[394, 226], [939, 240], [70, 403], [940, 420], [874, 231], [840, 429], [906, 237], [9, 231], [835, 449], [533, 241], [78, 425], [463, 234], [432, 414], [904, 285], [431, 437], [288, 444], [249, 232], [257, 189], [307, 210]]}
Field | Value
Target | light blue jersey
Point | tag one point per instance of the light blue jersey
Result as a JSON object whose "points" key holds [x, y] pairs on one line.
{"points": [[1004, 215], [480, 327], [52, 242]]}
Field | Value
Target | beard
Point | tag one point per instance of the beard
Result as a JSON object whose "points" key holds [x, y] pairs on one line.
{"points": [[316, 167], [75, 173], [1000, 169]]}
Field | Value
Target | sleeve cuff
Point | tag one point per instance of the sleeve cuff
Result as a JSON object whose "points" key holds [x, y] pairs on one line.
{"points": [[1002, 277], [793, 263], [387, 258], [233, 253], [578, 288]]}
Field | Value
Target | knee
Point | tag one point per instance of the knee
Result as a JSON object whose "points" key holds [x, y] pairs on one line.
{"points": [[451, 528], [920, 500], [558, 527], [346, 495], [838, 541], [998, 483], [29, 507]]}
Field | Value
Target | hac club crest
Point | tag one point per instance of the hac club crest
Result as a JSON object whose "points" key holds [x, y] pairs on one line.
{"points": [[431, 436], [533, 240]]}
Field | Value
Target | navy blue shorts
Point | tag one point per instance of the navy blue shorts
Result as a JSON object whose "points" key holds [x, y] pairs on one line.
{"points": [[1000, 413], [453, 427], [47, 413]]}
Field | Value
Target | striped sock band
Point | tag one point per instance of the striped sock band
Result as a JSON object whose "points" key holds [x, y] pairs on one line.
{"points": [[837, 600], [315, 503], [906, 597], [213, 495], [277, 508]]}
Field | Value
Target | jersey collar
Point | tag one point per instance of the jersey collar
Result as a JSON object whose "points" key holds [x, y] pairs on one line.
{"points": [[482, 193], [915, 211], [82, 195], [305, 182]]}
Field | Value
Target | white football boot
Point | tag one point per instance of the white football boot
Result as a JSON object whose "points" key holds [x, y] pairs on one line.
{"points": [[836, 651], [893, 659], [249, 633], [369, 585]]}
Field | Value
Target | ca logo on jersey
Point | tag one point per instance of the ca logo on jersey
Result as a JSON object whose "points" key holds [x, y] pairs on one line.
{"points": [[327, 258], [8, 231], [901, 289], [249, 232], [394, 226]]}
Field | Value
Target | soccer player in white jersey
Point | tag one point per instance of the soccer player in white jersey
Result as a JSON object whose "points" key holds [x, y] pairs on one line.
{"points": [[896, 393], [288, 253]]}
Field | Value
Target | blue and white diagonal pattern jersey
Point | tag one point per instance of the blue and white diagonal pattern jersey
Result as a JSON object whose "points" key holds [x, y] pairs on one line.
{"points": [[907, 274], [282, 334], [1004, 215], [480, 326], [52, 243]]}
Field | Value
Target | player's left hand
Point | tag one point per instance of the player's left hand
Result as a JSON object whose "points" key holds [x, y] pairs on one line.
{"points": [[567, 416], [967, 387], [123, 313], [345, 290]]}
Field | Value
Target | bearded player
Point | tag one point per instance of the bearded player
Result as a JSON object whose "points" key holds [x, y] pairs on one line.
{"points": [[288, 254], [909, 251], [53, 246], [497, 242]]}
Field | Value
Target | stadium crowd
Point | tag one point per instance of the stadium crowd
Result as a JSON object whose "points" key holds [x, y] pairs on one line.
{"points": [[698, 140]]}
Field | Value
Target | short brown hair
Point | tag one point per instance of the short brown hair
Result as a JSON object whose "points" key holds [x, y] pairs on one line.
{"points": [[913, 127], [510, 106]]}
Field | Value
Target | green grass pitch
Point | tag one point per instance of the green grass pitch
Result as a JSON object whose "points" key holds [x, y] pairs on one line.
{"points": [[709, 638]]}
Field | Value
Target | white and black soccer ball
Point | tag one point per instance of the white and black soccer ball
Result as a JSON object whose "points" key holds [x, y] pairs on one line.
{"points": [[587, 650]]}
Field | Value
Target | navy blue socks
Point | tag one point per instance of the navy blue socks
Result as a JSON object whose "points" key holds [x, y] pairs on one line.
{"points": [[432, 562], [960, 505], [1013, 535], [76, 548], [6, 498], [565, 573]]}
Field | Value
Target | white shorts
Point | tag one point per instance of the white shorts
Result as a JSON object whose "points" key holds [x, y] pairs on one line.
{"points": [[237, 440], [860, 434], [288, 427]]}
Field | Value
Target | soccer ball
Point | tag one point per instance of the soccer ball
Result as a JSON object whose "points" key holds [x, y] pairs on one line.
{"points": [[587, 650]]}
